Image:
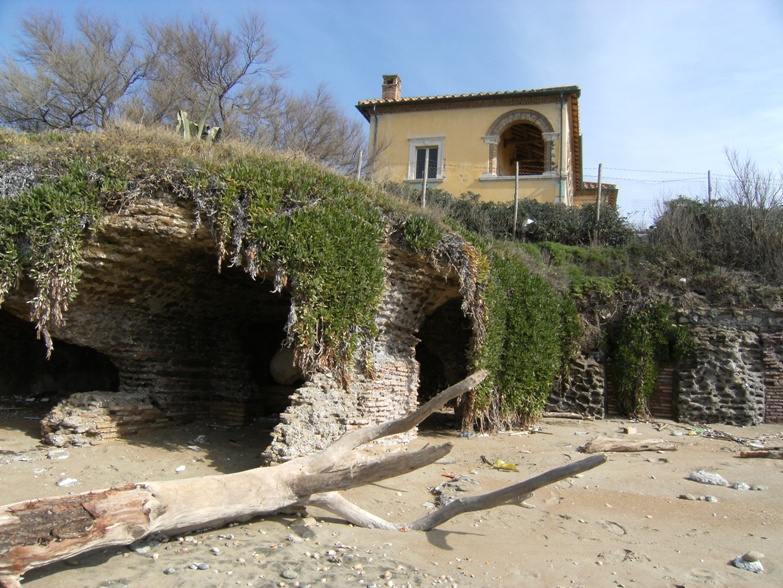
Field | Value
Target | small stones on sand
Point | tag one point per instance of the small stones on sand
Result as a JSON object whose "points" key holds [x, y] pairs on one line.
{"points": [[707, 498], [753, 556], [750, 562], [58, 454]]}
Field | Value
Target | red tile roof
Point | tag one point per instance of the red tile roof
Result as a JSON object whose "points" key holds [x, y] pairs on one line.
{"points": [[364, 105]]}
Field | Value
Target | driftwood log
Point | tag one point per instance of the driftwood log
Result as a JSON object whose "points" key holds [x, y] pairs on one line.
{"points": [[35, 533], [605, 444], [776, 453]]}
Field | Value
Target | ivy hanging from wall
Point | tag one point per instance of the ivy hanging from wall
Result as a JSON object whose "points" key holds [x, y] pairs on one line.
{"points": [[639, 342], [530, 328]]}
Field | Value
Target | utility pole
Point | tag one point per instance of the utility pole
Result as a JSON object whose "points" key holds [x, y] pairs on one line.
{"points": [[598, 208], [424, 182], [516, 197]]}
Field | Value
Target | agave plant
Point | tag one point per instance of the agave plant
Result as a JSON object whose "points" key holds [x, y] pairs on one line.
{"points": [[191, 129]]}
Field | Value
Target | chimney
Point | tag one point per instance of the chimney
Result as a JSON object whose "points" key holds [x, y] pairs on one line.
{"points": [[391, 88]]}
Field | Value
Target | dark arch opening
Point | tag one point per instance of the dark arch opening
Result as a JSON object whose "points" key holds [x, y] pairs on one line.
{"points": [[26, 376], [521, 143], [442, 354]]}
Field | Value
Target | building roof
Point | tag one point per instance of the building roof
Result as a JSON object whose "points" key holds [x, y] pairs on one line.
{"points": [[462, 100]]}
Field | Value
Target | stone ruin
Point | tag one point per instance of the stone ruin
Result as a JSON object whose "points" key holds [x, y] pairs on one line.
{"points": [[158, 336]]}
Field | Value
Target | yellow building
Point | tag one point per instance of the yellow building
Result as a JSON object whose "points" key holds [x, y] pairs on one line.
{"points": [[476, 142]]}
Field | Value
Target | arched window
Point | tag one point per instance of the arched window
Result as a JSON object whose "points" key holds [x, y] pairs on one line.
{"points": [[521, 143], [523, 136]]}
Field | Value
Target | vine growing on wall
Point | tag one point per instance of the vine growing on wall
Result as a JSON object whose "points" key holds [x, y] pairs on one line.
{"points": [[316, 233], [639, 343], [42, 231], [530, 329]]}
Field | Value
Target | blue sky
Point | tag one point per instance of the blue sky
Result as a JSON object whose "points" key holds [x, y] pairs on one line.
{"points": [[667, 85]]}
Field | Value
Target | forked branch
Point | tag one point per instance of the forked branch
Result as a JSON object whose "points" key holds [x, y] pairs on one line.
{"points": [[35, 533]]}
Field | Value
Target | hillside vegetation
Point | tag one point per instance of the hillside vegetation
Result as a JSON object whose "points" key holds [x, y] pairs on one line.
{"points": [[563, 283]]}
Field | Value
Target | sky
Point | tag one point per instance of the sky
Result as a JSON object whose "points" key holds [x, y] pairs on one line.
{"points": [[667, 86]]}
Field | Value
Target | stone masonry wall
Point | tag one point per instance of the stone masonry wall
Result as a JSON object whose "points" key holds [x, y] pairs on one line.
{"points": [[734, 374], [321, 410], [583, 393], [736, 377]]}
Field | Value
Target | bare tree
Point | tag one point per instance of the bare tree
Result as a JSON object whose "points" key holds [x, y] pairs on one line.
{"points": [[312, 124], [752, 218], [101, 73], [201, 65], [66, 83]]}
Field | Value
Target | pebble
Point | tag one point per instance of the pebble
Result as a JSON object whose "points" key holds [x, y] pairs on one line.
{"points": [[753, 556], [67, 482], [202, 566], [169, 571], [741, 486], [180, 469], [708, 478], [289, 574]]}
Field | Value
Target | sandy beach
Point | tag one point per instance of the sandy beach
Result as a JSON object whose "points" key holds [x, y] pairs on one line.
{"points": [[635, 521]]}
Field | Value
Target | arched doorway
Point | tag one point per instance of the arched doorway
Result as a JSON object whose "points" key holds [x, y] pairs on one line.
{"points": [[523, 144], [524, 136]]}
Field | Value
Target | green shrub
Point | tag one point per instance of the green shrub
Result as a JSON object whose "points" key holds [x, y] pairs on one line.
{"points": [[421, 233], [42, 230], [638, 344], [530, 328]]}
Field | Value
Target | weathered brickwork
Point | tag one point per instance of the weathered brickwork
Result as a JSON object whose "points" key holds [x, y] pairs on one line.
{"points": [[320, 411], [773, 376], [183, 341]]}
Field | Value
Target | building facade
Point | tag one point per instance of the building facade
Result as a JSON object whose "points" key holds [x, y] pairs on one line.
{"points": [[490, 144]]}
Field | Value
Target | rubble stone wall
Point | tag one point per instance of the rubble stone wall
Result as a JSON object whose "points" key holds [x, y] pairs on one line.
{"points": [[737, 367], [583, 393], [736, 377], [321, 410]]}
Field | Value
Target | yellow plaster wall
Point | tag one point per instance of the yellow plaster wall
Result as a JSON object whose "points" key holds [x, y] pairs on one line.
{"points": [[465, 154]]}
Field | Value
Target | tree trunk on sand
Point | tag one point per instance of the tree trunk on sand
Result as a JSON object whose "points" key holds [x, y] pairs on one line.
{"points": [[35, 533], [605, 444]]}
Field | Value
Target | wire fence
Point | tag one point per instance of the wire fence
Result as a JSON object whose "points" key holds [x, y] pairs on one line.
{"points": [[641, 193]]}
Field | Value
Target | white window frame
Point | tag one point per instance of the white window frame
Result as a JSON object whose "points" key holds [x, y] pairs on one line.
{"points": [[414, 145]]}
